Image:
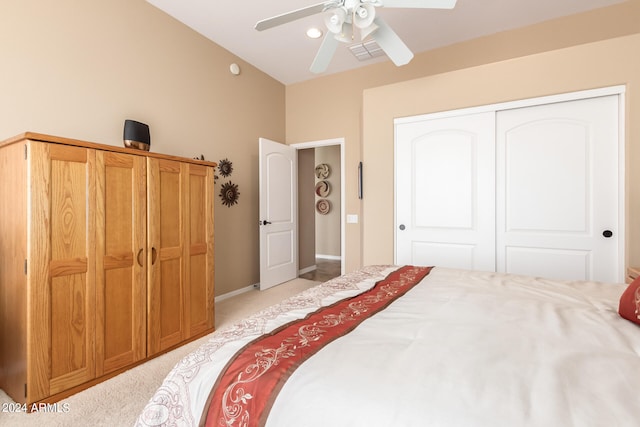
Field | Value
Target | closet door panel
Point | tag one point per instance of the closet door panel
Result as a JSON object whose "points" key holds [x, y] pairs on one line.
{"points": [[558, 190], [444, 182]]}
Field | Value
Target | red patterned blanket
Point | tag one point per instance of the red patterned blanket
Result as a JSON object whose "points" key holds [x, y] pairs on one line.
{"points": [[248, 385]]}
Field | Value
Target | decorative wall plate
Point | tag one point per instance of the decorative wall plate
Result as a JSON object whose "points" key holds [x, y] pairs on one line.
{"points": [[323, 206], [229, 194], [323, 188], [322, 171], [225, 167]]}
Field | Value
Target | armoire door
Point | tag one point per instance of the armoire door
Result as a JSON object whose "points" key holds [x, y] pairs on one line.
{"points": [[557, 202], [61, 297], [166, 202], [445, 192], [121, 245], [199, 297]]}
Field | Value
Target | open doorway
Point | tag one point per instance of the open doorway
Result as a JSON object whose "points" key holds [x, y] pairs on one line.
{"points": [[320, 209]]}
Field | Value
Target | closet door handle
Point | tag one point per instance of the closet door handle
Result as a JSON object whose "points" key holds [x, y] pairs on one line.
{"points": [[154, 255], [607, 233], [402, 227], [138, 257]]}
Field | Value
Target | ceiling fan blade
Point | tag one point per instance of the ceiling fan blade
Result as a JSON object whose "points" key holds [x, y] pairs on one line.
{"points": [[392, 45], [325, 53], [420, 4], [292, 16]]}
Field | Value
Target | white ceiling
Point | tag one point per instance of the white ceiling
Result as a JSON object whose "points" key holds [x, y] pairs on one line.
{"points": [[285, 53]]}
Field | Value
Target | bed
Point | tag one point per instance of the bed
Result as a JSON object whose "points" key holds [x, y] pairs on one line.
{"points": [[418, 346]]}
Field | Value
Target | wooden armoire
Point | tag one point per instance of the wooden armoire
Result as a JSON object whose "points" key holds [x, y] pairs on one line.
{"points": [[106, 260]]}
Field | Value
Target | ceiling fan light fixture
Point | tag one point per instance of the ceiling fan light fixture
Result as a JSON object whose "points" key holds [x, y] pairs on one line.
{"points": [[335, 19], [364, 15], [346, 34]]}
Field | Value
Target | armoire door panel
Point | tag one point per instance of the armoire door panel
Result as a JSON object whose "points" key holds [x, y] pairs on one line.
{"points": [[170, 296], [170, 208], [120, 269], [199, 295], [198, 307], [69, 324], [197, 206], [167, 186], [62, 283], [68, 207], [118, 311], [118, 206]]}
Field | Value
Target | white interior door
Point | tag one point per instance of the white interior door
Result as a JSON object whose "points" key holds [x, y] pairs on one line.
{"points": [[445, 192], [557, 165], [278, 213]]}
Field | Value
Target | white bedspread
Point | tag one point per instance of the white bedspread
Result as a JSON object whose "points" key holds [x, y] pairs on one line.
{"points": [[460, 349]]}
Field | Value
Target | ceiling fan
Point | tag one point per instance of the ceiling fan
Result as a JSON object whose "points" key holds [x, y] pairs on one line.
{"points": [[342, 17]]}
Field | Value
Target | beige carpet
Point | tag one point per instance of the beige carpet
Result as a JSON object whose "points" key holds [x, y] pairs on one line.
{"points": [[119, 401]]}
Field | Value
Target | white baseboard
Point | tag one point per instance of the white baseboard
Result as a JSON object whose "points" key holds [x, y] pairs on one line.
{"points": [[228, 295], [307, 269], [332, 257]]}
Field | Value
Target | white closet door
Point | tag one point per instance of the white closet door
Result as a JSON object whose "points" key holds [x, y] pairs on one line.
{"points": [[445, 187], [558, 189]]}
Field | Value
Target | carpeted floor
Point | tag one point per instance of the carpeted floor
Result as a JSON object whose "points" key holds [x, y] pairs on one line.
{"points": [[119, 401]]}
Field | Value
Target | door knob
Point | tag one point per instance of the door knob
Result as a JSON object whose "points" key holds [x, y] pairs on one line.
{"points": [[402, 227], [265, 222], [607, 233]]}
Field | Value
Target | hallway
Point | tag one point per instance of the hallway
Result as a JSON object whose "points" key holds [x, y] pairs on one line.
{"points": [[326, 269]]}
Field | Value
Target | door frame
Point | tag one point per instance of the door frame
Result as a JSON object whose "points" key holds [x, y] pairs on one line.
{"points": [[326, 143], [618, 90]]}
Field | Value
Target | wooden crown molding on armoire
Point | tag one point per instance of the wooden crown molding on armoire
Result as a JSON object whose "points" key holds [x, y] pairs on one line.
{"points": [[106, 261]]}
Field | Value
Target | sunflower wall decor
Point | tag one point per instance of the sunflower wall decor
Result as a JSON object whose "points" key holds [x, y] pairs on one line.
{"points": [[225, 167], [229, 193]]}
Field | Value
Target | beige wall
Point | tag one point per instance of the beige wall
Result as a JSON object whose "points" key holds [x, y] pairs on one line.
{"points": [[332, 106], [328, 226], [79, 68], [306, 209]]}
